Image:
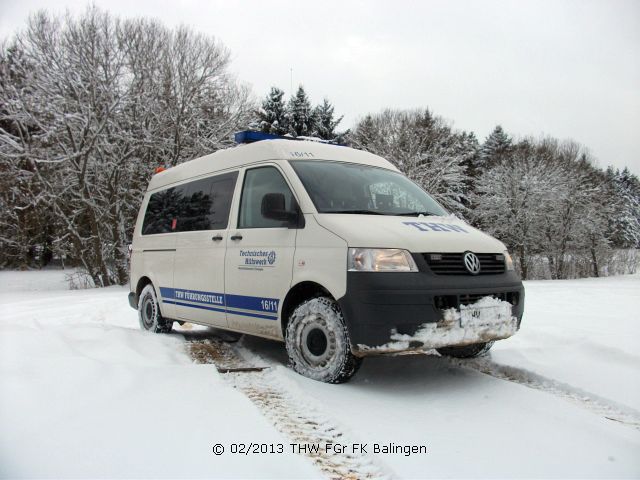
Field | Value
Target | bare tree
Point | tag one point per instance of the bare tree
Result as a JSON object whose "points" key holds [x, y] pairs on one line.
{"points": [[423, 147], [545, 199], [102, 102]]}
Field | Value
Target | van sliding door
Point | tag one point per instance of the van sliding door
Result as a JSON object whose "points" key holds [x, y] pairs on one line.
{"points": [[198, 282]]}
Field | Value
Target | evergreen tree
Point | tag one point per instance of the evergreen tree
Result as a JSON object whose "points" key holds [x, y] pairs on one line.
{"points": [[300, 114], [324, 122], [297, 117], [272, 117], [625, 223], [470, 148], [495, 148], [365, 134]]}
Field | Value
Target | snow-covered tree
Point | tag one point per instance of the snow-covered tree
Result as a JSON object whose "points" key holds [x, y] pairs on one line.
{"points": [[272, 116], [495, 147], [625, 198], [545, 199], [513, 198], [324, 121], [422, 146], [578, 222], [103, 102], [300, 115], [296, 117], [19, 221]]}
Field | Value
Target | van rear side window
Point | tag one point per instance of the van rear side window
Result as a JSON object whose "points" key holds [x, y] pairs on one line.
{"points": [[199, 205]]}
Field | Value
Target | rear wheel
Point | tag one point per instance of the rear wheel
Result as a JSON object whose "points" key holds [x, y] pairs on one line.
{"points": [[466, 351], [149, 314], [318, 342]]}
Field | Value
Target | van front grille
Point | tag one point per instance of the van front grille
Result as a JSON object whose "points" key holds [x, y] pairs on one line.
{"points": [[444, 302], [453, 263]]}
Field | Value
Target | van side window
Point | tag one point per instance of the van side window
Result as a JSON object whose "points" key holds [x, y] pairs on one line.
{"points": [[161, 209], [204, 204], [199, 205], [257, 183]]}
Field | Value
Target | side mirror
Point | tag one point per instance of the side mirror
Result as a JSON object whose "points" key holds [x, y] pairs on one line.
{"points": [[273, 207]]}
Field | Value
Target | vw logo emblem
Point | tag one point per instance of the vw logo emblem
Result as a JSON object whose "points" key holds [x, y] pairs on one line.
{"points": [[472, 263]]}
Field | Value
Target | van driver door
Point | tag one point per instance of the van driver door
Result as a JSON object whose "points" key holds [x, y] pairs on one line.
{"points": [[260, 252]]}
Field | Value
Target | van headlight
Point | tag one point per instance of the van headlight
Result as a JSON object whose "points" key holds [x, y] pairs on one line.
{"points": [[380, 260], [508, 261]]}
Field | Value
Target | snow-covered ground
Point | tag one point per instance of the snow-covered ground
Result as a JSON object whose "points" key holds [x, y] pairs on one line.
{"points": [[584, 333], [84, 393]]}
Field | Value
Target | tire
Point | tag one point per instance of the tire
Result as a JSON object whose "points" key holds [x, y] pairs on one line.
{"points": [[230, 337], [318, 342], [227, 336], [149, 314], [466, 351]]}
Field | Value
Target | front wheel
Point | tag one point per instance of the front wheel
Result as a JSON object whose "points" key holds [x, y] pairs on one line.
{"points": [[318, 342], [149, 314], [466, 351]]}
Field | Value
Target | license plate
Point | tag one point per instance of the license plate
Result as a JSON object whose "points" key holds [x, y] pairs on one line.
{"points": [[485, 315]]}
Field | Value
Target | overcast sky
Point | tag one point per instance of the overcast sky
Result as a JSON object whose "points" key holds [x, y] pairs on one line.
{"points": [[570, 69]]}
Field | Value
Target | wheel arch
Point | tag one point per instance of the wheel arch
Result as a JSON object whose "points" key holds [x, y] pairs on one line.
{"points": [[142, 282], [297, 294]]}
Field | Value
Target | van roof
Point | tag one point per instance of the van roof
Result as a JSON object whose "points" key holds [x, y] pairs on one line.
{"points": [[276, 150]]}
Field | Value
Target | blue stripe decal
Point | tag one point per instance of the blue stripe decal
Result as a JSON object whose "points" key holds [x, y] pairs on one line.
{"points": [[208, 298], [194, 306], [266, 305], [266, 308]]}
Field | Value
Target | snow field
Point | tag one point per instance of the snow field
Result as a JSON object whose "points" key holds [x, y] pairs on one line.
{"points": [[291, 411], [473, 425], [84, 393], [581, 332]]}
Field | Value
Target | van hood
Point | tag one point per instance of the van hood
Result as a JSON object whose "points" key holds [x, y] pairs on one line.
{"points": [[416, 234]]}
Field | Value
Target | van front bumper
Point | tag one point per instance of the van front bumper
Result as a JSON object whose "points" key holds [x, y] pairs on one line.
{"points": [[381, 308]]}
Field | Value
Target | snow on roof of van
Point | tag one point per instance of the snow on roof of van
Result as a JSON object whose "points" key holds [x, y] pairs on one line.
{"points": [[277, 150]]}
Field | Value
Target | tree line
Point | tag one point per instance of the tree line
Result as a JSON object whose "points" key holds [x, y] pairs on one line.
{"points": [[558, 213], [89, 106], [296, 117]]}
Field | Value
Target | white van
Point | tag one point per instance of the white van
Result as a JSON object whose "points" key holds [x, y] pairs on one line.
{"points": [[329, 249]]}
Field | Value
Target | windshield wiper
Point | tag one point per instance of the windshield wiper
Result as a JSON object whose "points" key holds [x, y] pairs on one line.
{"points": [[356, 212], [416, 214]]}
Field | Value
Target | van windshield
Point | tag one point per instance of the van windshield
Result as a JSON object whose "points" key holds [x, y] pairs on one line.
{"points": [[337, 187]]}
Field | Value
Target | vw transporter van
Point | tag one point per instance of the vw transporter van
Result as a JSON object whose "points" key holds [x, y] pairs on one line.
{"points": [[327, 248]]}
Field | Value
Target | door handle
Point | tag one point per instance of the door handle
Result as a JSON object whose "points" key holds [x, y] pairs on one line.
{"points": [[217, 238], [237, 236]]}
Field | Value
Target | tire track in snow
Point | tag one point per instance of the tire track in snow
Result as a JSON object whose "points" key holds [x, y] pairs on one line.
{"points": [[594, 403], [290, 415]]}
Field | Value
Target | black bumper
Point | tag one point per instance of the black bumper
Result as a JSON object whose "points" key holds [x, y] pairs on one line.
{"points": [[377, 303], [133, 300]]}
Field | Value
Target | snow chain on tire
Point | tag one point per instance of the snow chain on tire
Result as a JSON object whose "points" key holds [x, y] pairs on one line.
{"points": [[318, 342], [149, 314]]}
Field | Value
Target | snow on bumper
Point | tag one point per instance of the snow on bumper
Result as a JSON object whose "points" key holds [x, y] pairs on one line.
{"points": [[483, 321]]}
